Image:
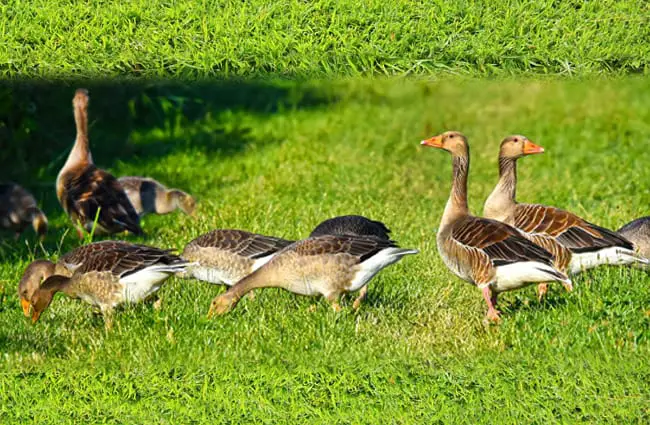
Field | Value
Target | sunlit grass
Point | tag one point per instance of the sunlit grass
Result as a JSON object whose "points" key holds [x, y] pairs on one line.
{"points": [[417, 351]]}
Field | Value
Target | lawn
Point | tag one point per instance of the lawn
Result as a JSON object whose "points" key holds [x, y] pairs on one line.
{"points": [[278, 115], [277, 157]]}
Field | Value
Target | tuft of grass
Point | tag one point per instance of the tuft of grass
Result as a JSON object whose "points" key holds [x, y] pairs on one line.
{"points": [[159, 39], [417, 351]]}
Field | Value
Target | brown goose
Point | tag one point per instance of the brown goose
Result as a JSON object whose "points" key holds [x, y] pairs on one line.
{"points": [[123, 274], [638, 232], [327, 265], [39, 270], [590, 245], [151, 197], [85, 191], [492, 255], [18, 209], [512, 148]]}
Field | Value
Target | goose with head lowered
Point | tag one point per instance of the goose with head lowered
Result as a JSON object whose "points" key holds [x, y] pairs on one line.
{"points": [[492, 255], [328, 265], [39, 270], [123, 274], [88, 193], [225, 256], [590, 245]]}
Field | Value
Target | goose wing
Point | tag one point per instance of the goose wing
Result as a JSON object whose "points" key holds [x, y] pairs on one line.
{"points": [[567, 228], [246, 244], [501, 243]]}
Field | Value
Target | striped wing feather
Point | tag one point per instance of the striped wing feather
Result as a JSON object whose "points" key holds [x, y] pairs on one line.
{"points": [[125, 260], [570, 230], [362, 247], [246, 244], [503, 244]]}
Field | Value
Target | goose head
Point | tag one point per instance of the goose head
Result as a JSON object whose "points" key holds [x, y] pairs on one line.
{"points": [[34, 275], [516, 146], [453, 142]]}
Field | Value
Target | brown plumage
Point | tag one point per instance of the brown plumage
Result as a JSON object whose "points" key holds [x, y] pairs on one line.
{"points": [[39, 270], [149, 196], [327, 265], [488, 253], [589, 245], [225, 256], [85, 191], [122, 273], [18, 210], [351, 225]]}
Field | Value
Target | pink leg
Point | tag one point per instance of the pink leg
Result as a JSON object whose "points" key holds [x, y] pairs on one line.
{"points": [[80, 233], [491, 300]]}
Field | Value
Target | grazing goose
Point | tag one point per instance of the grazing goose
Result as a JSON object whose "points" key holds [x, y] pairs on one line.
{"points": [[151, 197], [39, 270], [638, 232], [512, 148], [590, 245], [18, 209], [328, 265], [86, 191], [226, 256], [492, 255], [125, 273]]}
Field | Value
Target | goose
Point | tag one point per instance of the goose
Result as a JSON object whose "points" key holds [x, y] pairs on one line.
{"points": [[590, 245], [150, 196], [87, 192], [18, 209], [490, 254], [327, 265], [124, 274], [225, 256], [39, 270], [512, 148], [638, 232]]}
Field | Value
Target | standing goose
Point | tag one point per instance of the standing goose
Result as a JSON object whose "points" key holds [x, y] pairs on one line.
{"points": [[512, 148], [18, 209], [39, 270], [638, 232], [85, 191], [151, 197], [328, 265], [125, 273], [590, 245], [490, 254]]}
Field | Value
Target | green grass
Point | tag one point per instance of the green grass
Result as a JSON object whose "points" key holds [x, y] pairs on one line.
{"points": [[44, 38], [279, 157]]}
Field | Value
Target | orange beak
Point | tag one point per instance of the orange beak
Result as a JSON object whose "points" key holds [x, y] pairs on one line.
{"points": [[531, 148], [35, 316], [26, 306], [434, 142]]}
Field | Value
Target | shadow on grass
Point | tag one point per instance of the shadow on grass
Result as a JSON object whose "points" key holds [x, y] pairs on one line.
{"points": [[134, 122]]}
